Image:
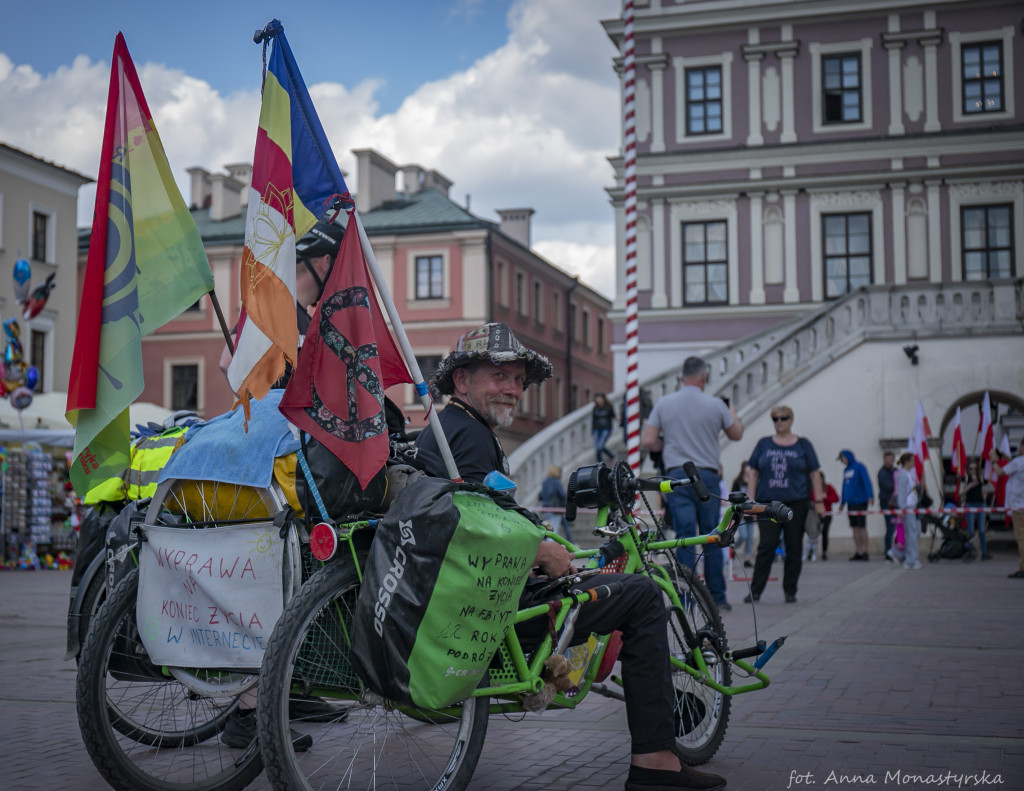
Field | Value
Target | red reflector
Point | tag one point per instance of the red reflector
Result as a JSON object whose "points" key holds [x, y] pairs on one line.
{"points": [[323, 541]]}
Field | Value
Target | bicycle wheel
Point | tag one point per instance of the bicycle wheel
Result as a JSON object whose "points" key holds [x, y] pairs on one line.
{"points": [[370, 743], [143, 728], [701, 713], [92, 600]]}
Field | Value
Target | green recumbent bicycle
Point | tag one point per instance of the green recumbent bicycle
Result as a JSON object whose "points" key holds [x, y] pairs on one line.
{"points": [[377, 743]]}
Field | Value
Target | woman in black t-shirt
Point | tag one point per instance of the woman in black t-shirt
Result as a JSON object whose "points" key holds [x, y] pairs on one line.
{"points": [[783, 467]]}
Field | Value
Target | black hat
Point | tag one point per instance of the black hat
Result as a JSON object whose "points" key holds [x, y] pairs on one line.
{"points": [[324, 238], [492, 343]]}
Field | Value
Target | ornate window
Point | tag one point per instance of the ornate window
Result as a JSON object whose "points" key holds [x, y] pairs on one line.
{"points": [[841, 89], [986, 241], [705, 263], [982, 87], [847, 252]]}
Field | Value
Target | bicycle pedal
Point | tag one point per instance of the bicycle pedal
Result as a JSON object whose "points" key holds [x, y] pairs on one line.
{"points": [[539, 701]]}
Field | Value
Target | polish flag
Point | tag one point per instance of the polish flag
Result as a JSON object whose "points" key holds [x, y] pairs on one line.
{"points": [[959, 461], [987, 433]]}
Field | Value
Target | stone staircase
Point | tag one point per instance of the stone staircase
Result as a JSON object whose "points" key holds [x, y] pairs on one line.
{"points": [[759, 370]]}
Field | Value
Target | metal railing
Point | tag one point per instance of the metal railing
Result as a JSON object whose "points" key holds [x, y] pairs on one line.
{"points": [[759, 370]]}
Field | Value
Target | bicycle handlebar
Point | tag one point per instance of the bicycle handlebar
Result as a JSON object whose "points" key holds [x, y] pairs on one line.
{"points": [[666, 485]]}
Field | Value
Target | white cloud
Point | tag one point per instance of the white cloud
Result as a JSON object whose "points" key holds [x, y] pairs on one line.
{"points": [[594, 263], [530, 124]]}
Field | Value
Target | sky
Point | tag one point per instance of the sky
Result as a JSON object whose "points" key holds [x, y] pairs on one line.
{"points": [[515, 101]]}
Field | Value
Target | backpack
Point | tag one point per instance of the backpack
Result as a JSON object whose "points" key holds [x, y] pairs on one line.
{"points": [[440, 589]]}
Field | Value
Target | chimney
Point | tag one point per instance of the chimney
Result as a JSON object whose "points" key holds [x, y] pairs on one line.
{"points": [[376, 177], [412, 178], [242, 173], [515, 223], [200, 187], [436, 181], [226, 201]]}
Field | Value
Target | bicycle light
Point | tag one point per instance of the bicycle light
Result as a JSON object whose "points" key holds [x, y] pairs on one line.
{"points": [[589, 487]]}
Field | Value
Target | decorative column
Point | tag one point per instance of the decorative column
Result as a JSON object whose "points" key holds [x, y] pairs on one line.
{"points": [[935, 235], [757, 295], [659, 263], [931, 42], [792, 291], [899, 235], [657, 68], [754, 136], [786, 56]]}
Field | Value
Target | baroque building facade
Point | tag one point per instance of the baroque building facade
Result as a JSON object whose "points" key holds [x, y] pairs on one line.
{"points": [[790, 152], [831, 211]]}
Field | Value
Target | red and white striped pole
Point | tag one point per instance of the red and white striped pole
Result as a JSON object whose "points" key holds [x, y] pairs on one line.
{"points": [[632, 322]]}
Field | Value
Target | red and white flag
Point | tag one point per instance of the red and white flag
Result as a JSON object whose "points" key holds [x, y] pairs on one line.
{"points": [[959, 461], [987, 434], [919, 442], [1004, 445]]}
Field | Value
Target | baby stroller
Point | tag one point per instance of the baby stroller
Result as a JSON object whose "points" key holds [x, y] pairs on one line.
{"points": [[955, 541]]}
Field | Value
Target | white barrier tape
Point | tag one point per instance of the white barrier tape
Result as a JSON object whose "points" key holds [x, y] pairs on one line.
{"points": [[545, 509], [896, 511]]}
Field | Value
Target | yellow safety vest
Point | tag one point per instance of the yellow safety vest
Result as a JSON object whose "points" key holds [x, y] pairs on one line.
{"points": [[149, 455]]}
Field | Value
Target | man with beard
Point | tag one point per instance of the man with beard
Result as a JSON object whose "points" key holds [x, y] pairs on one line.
{"points": [[485, 377]]}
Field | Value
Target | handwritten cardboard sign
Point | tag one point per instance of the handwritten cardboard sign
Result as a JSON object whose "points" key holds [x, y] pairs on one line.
{"points": [[209, 598]]}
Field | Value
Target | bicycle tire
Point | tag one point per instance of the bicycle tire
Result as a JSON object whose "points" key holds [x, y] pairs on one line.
{"points": [[92, 600], [372, 743], [143, 730], [701, 713]]}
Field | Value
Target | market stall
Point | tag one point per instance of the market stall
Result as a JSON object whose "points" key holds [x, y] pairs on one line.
{"points": [[38, 509]]}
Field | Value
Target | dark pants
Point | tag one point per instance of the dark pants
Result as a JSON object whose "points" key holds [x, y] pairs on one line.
{"points": [[639, 613], [691, 517], [890, 530], [826, 523], [793, 536]]}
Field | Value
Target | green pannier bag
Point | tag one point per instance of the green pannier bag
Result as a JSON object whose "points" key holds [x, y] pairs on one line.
{"points": [[440, 589]]}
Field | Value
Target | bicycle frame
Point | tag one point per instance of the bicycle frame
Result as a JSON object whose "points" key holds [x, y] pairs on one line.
{"points": [[522, 675], [637, 546]]}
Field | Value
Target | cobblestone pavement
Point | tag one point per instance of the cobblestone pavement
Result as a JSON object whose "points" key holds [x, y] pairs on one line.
{"points": [[889, 678]]}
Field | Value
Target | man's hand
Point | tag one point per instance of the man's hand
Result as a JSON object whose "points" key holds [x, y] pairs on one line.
{"points": [[554, 559]]}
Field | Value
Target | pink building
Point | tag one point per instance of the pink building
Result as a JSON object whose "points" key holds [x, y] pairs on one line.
{"points": [[448, 271]]}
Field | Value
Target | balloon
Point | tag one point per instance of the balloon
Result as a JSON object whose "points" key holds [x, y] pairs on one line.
{"points": [[35, 303], [32, 377], [22, 274], [12, 330], [21, 398]]}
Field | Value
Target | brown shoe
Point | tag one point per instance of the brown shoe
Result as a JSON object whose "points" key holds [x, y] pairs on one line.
{"points": [[686, 779]]}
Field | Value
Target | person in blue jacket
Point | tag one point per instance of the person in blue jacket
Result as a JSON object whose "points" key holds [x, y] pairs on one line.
{"points": [[858, 496]]}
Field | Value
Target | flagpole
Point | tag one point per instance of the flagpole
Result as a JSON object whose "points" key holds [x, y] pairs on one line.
{"points": [[220, 318], [410, 357], [938, 479], [632, 416]]}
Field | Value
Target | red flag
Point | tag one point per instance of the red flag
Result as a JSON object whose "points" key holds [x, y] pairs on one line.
{"points": [[347, 361], [987, 434]]}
